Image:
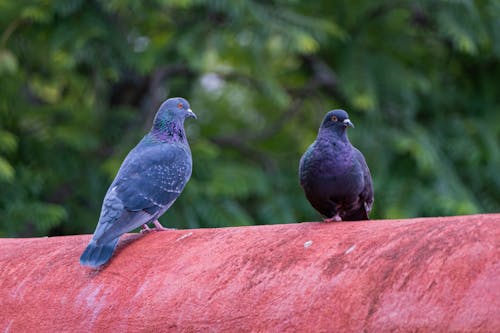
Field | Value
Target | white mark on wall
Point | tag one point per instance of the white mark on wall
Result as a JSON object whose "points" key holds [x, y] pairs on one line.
{"points": [[141, 289], [93, 299], [184, 236], [7, 329], [349, 250]]}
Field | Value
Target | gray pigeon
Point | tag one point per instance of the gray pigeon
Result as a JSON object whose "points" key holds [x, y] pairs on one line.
{"points": [[150, 178], [334, 174]]}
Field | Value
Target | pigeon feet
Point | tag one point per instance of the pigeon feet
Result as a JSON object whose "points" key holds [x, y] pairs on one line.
{"points": [[158, 227], [335, 218], [145, 229]]}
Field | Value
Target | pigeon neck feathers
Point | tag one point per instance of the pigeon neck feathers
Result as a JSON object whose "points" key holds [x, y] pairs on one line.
{"points": [[331, 135], [168, 131], [168, 125]]}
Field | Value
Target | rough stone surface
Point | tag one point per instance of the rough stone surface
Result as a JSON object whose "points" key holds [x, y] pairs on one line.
{"points": [[416, 275]]}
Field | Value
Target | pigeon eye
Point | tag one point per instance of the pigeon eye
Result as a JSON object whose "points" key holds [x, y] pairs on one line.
{"points": [[179, 105], [334, 118]]}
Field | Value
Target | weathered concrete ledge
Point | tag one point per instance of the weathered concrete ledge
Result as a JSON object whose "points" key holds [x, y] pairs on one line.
{"points": [[416, 275]]}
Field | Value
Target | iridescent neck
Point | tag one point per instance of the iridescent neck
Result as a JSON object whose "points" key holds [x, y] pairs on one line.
{"points": [[168, 131]]}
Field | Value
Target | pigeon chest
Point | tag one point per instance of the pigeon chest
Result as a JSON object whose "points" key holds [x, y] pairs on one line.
{"points": [[333, 173]]}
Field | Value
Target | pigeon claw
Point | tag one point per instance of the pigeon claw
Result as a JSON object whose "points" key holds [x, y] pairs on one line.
{"points": [[145, 229], [159, 227], [335, 218]]}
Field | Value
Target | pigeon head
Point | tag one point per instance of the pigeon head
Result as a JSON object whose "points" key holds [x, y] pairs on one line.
{"points": [[337, 120], [174, 109], [168, 124]]}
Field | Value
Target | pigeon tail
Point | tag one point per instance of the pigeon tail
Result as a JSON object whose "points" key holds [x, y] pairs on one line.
{"points": [[96, 255]]}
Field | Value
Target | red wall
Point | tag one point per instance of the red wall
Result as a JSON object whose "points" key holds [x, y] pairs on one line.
{"points": [[417, 275]]}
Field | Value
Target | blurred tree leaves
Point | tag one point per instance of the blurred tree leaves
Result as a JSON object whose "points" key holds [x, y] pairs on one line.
{"points": [[81, 80]]}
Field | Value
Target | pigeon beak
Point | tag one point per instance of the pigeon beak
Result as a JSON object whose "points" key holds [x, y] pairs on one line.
{"points": [[347, 123], [191, 114]]}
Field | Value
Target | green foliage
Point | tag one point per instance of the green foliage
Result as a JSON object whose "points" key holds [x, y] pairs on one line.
{"points": [[81, 81]]}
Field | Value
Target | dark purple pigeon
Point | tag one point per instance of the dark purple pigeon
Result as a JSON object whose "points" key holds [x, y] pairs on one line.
{"points": [[334, 174]]}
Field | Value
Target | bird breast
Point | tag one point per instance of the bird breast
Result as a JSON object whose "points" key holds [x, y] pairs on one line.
{"points": [[332, 170]]}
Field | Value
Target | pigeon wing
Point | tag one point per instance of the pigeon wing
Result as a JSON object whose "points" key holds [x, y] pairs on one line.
{"points": [[361, 207], [147, 184], [366, 195]]}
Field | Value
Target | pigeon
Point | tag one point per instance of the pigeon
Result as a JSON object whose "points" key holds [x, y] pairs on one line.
{"points": [[334, 174], [148, 182]]}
